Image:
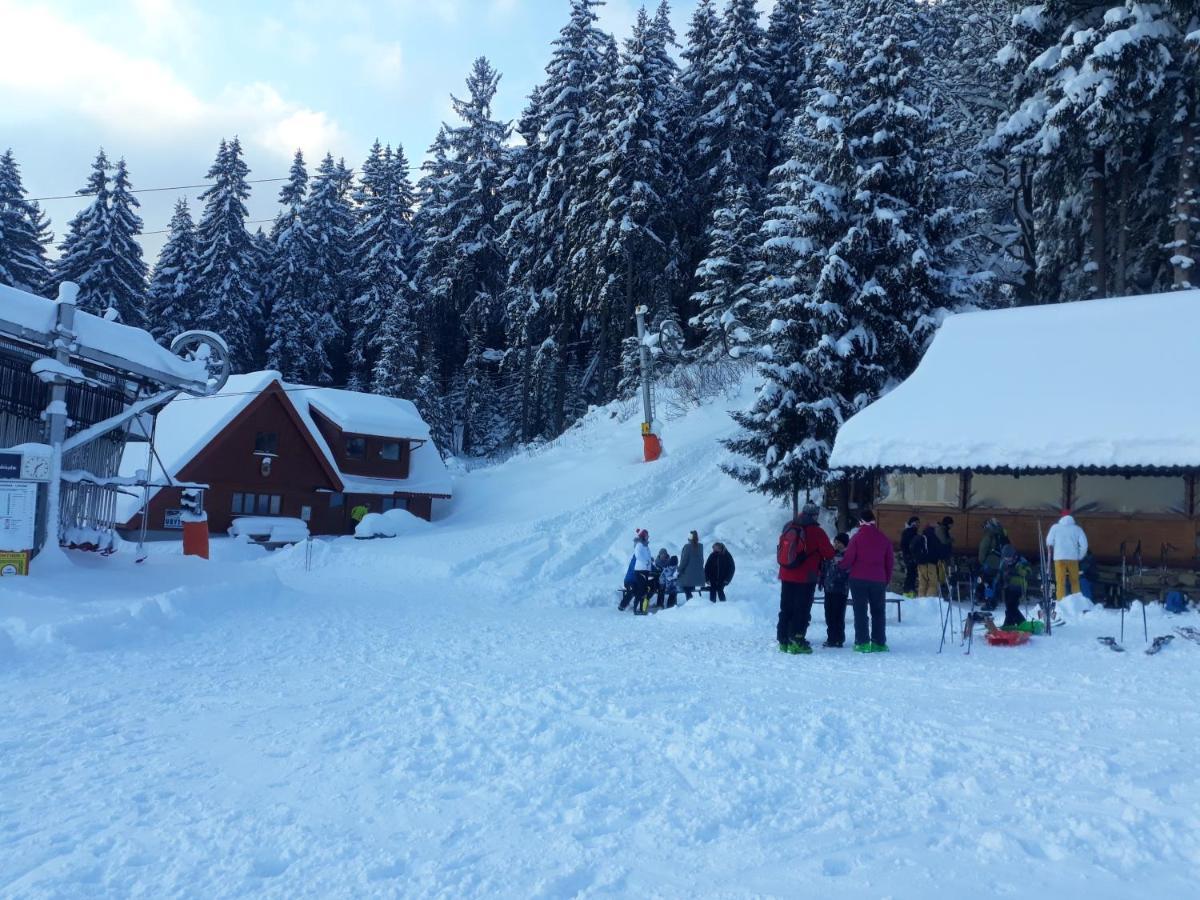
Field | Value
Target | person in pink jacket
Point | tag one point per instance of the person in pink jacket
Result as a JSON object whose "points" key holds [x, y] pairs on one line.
{"points": [[869, 559]]}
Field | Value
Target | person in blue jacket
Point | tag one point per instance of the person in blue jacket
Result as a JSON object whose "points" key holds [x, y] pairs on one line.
{"points": [[630, 585]]}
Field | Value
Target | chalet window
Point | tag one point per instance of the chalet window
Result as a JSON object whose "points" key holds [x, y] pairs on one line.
{"points": [[1139, 494], [390, 451], [356, 447], [1010, 492], [921, 490], [266, 442], [337, 501], [257, 504], [395, 503]]}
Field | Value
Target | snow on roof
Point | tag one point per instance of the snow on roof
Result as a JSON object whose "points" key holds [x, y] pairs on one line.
{"points": [[1098, 383], [37, 316], [370, 414], [187, 425]]}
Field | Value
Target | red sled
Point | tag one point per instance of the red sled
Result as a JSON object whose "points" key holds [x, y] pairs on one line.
{"points": [[1007, 638]]}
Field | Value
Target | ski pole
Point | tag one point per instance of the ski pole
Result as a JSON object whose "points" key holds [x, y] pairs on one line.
{"points": [[1145, 627]]}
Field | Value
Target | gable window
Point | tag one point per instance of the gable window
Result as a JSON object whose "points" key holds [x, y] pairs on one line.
{"points": [[266, 442], [390, 451], [257, 504], [356, 447]]}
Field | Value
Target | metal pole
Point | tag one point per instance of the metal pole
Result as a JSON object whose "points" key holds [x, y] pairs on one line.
{"points": [[56, 412], [644, 355]]}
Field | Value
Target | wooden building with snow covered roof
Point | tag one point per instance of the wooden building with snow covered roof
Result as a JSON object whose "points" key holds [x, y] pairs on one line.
{"points": [[268, 448], [1019, 413]]}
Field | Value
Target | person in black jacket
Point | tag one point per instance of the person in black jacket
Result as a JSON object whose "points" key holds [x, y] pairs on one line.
{"points": [[718, 572], [837, 589], [927, 550], [911, 533]]}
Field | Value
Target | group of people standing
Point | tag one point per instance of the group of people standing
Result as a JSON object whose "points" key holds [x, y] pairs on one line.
{"points": [[855, 568], [660, 578]]}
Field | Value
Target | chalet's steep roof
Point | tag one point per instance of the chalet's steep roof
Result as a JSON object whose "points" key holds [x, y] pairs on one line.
{"points": [[1093, 384], [187, 425], [34, 317]]}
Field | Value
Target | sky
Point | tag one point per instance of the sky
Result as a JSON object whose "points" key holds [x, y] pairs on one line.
{"points": [[160, 82]]}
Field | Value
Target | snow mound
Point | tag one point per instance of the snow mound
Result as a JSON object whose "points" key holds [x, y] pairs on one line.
{"points": [[388, 524]]}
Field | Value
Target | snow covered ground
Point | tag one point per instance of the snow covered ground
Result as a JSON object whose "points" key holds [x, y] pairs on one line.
{"points": [[460, 712]]}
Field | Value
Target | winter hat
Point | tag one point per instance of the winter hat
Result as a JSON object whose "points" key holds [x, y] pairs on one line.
{"points": [[810, 509], [947, 521], [842, 538], [865, 515], [1008, 552], [693, 536], [674, 561], [641, 535], [913, 520]]}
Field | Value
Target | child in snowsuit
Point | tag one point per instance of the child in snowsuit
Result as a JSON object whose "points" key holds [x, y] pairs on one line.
{"points": [[667, 568], [1011, 583], [718, 570], [837, 592], [630, 585]]}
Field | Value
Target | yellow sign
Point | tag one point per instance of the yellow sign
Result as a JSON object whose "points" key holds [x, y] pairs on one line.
{"points": [[14, 562]]}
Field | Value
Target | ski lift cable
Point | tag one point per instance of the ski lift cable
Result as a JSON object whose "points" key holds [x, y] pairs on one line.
{"points": [[178, 187]]}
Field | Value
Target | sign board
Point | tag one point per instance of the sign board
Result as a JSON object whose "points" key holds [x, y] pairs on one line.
{"points": [[172, 518], [306, 513], [14, 562], [10, 465], [18, 512]]}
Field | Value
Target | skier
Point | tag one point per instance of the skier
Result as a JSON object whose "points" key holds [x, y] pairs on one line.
{"points": [[666, 567], [910, 535], [718, 570], [928, 553], [691, 565], [630, 585], [803, 548], [995, 539], [837, 592], [1067, 545], [643, 566], [869, 560]]}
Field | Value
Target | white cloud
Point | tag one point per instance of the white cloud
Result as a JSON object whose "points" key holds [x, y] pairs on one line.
{"points": [[58, 69]]}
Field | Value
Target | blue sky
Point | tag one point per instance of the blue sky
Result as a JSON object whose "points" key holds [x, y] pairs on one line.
{"points": [[161, 81]]}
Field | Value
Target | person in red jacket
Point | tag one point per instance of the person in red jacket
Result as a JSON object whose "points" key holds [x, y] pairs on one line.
{"points": [[803, 547], [869, 560]]}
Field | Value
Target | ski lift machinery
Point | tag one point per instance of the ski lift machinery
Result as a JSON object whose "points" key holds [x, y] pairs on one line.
{"points": [[670, 340]]}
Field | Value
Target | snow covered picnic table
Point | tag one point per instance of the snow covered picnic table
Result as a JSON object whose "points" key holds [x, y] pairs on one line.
{"points": [[270, 531]]}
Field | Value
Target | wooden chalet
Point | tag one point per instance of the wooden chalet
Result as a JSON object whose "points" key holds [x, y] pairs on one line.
{"points": [[268, 448], [1021, 413]]}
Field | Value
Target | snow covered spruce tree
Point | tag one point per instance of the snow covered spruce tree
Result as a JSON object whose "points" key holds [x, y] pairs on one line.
{"points": [[637, 179], [100, 252], [856, 249], [543, 232], [171, 306], [226, 280], [736, 116], [24, 232], [383, 250], [292, 325], [1098, 114], [789, 58], [328, 224]]}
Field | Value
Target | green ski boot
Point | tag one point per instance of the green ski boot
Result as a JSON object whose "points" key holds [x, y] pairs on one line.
{"points": [[800, 647], [879, 648], [862, 648]]}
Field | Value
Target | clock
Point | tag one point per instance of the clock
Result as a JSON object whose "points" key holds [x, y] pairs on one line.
{"points": [[35, 468]]}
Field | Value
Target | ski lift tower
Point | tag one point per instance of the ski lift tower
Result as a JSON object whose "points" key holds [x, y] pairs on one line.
{"points": [[651, 442]]}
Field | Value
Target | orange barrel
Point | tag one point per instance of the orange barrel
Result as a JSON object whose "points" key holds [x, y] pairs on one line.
{"points": [[652, 446], [195, 539]]}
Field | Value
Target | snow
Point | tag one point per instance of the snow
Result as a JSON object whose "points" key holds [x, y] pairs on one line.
{"points": [[269, 529], [388, 524], [370, 414], [1043, 387], [38, 316], [463, 713]]}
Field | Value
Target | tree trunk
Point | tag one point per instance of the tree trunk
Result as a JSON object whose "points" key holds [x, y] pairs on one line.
{"points": [[1099, 261], [1185, 197], [1023, 214], [1124, 216]]}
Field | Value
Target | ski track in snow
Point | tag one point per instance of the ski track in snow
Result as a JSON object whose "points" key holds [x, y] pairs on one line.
{"points": [[461, 712]]}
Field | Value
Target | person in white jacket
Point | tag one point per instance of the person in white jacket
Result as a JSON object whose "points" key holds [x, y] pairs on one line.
{"points": [[1067, 545]]}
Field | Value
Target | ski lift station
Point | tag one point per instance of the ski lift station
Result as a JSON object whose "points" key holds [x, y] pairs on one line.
{"points": [[74, 388], [1021, 413]]}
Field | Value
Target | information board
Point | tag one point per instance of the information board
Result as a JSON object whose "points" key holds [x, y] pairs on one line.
{"points": [[172, 518], [10, 465], [18, 512]]}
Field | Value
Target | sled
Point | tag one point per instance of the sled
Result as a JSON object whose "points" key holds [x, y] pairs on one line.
{"points": [[1000, 638]]}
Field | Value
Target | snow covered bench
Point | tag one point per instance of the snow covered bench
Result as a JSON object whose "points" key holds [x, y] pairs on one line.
{"points": [[270, 531], [889, 597]]}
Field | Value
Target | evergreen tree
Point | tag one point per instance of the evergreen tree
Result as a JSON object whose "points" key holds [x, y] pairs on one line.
{"points": [[81, 254], [171, 306], [725, 279], [127, 268], [858, 255], [789, 58], [24, 232], [226, 282], [383, 251], [329, 223], [291, 298]]}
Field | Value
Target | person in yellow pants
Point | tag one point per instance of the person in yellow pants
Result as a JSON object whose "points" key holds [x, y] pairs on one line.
{"points": [[1067, 545]]}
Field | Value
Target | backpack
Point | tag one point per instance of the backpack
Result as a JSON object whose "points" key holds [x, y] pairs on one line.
{"points": [[1177, 602], [793, 548]]}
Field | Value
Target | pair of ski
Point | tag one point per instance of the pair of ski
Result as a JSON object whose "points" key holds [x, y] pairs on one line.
{"points": [[1158, 644]]}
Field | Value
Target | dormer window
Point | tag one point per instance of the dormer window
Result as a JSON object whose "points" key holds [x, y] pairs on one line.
{"points": [[390, 451], [267, 443], [356, 448]]}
